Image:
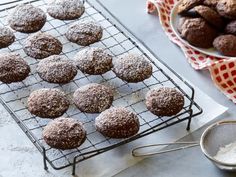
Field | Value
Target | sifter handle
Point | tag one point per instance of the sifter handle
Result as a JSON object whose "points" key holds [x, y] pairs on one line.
{"points": [[136, 153]]}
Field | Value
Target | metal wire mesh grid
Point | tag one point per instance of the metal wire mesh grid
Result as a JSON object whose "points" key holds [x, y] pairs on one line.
{"points": [[14, 96]]}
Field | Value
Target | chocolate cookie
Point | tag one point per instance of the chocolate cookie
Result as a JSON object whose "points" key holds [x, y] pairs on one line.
{"points": [[57, 69], [64, 133], [93, 61], [48, 103], [211, 16], [93, 98], [164, 101], [186, 5], [66, 10], [13, 68], [198, 32], [84, 33], [132, 68], [117, 122], [7, 37], [226, 44], [231, 28], [180, 24], [27, 18], [41, 45], [227, 8], [210, 3]]}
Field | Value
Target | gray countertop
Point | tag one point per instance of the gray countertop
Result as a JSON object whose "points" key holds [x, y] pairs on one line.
{"points": [[191, 162]]}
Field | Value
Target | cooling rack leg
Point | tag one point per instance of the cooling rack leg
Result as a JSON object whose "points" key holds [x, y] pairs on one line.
{"points": [[44, 160], [189, 120], [74, 166]]}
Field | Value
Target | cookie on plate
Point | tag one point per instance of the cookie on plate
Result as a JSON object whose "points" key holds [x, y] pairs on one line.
{"points": [[198, 32], [231, 28], [7, 37], [164, 101], [93, 61], [85, 32], [93, 98], [27, 19], [41, 45], [64, 133], [227, 8], [117, 122], [57, 69], [186, 5], [210, 15], [132, 68], [13, 68], [48, 103], [180, 24], [66, 10], [210, 3], [226, 44]]}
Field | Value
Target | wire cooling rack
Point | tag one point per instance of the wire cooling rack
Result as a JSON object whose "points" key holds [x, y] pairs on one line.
{"points": [[117, 39]]}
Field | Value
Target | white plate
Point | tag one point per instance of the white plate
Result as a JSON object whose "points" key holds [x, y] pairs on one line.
{"points": [[174, 19]]}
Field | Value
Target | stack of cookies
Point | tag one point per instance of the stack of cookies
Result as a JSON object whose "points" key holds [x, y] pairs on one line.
{"points": [[209, 23]]}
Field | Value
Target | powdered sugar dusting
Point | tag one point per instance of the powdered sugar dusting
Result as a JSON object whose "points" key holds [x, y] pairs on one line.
{"points": [[93, 60], [164, 101], [27, 18], [13, 68], [132, 68], [57, 69], [227, 154], [41, 45], [64, 133], [93, 98], [7, 37], [84, 32], [117, 122], [48, 103], [66, 9]]}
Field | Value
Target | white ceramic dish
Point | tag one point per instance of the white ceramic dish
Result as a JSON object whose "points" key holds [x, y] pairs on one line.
{"points": [[174, 19]]}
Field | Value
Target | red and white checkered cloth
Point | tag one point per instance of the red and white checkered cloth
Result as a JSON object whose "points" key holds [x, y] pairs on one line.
{"points": [[223, 71]]}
